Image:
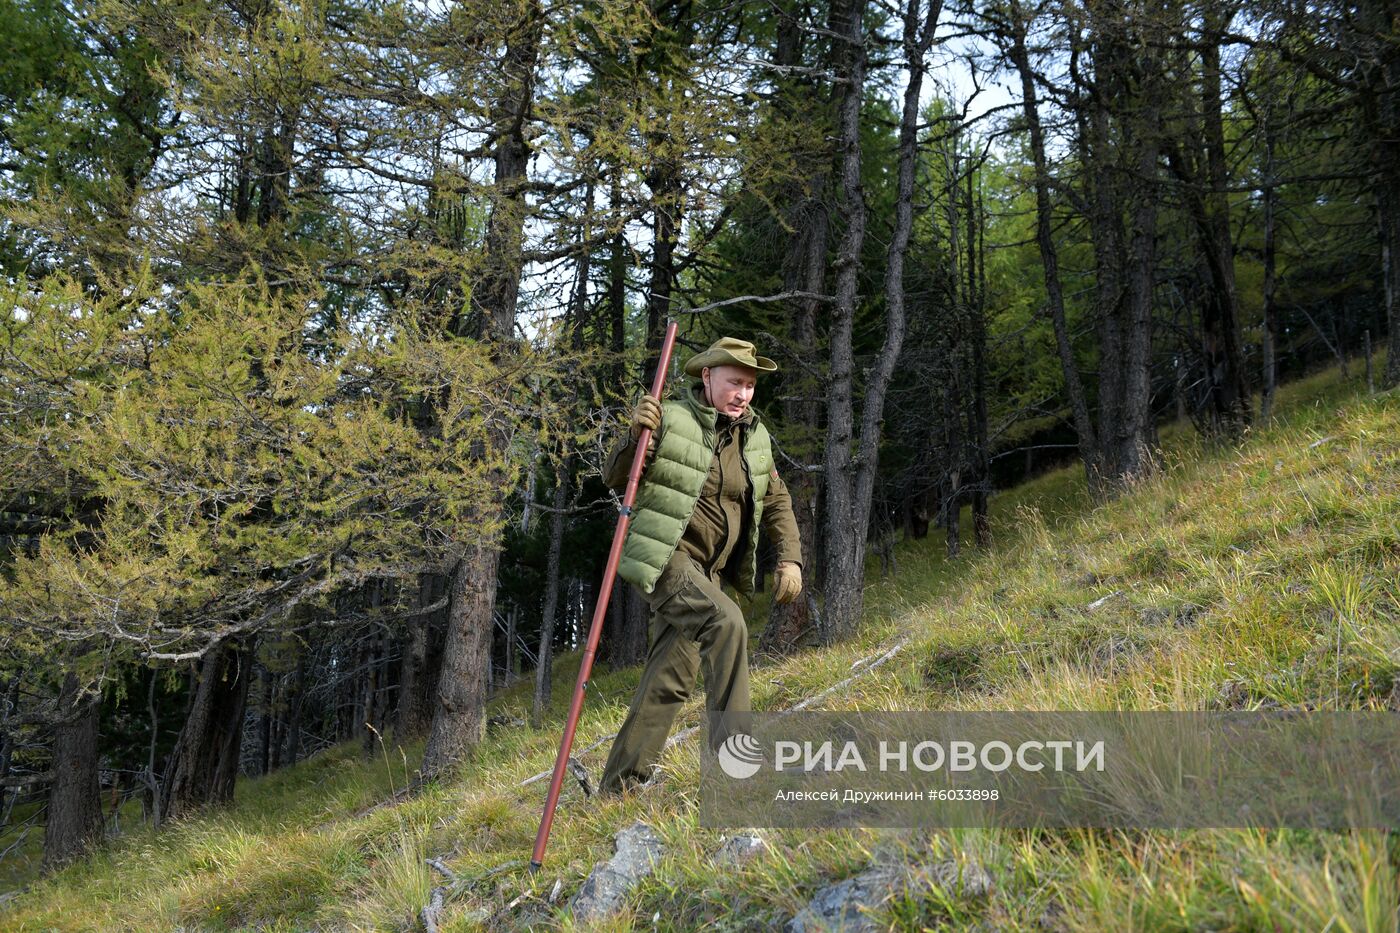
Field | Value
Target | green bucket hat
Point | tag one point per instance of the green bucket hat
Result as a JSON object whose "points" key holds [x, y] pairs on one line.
{"points": [[729, 351]]}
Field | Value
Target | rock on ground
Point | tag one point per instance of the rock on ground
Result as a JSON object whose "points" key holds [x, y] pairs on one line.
{"points": [[845, 905], [637, 850], [736, 850]]}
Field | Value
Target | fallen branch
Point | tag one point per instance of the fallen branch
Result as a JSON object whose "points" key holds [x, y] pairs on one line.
{"points": [[580, 774], [436, 863], [890, 653], [1103, 600], [544, 774], [429, 914]]}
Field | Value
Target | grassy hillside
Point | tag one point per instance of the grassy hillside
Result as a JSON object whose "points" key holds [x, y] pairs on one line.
{"points": [[1253, 577]]}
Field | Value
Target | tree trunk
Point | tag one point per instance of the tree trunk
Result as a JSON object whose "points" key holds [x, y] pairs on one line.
{"points": [[665, 176], [204, 763], [295, 713], [977, 312], [851, 479], [667, 196], [10, 701], [1388, 198], [275, 171], [1270, 337], [415, 688], [374, 650], [73, 823], [459, 714], [1135, 432], [370, 679], [1102, 207], [951, 511], [264, 720], [1380, 18], [1050, 258], [845, 540], [804, 270], [544, 665], [1201, 168], [1135, 68], [633, 643], [1234, 405]]}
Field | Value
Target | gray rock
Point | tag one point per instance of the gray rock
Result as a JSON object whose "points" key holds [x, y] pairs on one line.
{"points": [[846, 905], [838, 906], [637, 850], [737, 850], [965, 879]]}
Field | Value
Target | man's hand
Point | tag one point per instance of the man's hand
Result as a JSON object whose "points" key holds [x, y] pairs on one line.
{"points": [[647, 414], [787, 582]]}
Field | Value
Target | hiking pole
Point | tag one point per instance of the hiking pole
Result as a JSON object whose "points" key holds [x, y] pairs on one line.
{"points": [[595, 630]]}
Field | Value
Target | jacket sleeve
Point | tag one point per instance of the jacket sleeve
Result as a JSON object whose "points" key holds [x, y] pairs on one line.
{"points": [[779, 521], [619, 460]]}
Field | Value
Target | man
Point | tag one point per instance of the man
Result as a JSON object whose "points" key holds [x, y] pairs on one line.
{"points": [[708, 487]]}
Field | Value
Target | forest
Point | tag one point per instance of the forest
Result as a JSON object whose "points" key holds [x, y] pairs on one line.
{"points": [[319, 319]]}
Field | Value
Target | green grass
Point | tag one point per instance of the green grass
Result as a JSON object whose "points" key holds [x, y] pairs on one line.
{"points": [[1254, 576]]}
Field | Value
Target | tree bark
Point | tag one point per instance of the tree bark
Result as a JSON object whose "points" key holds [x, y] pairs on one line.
{"points": [[459, 714], [204, 763], [951, 512], [1389, 202], [73, 823], [1225, 346], [416, 681], [1270, 284], [977, 321], [545, 659], [294, 716], [264, 708], [845, 540], [1200, 167], [1126, 93], [804, 270], [1136, 430], [1382, 109], [1049, 255], [850, 480], [1102, 197]]}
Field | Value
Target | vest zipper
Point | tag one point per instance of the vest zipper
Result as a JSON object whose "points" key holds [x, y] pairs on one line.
{"points": [[724, 537], [751, 501]]}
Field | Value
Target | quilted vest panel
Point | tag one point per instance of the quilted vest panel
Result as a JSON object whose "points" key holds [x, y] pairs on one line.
{"points": [[672, 485]]}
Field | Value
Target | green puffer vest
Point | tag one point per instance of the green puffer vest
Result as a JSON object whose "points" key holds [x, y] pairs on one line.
{"points": [[672, 485]]}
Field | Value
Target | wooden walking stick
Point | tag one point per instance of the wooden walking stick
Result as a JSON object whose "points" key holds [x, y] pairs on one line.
{"points": [[600, 611]]}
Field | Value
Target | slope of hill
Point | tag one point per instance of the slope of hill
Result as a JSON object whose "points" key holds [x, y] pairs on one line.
{"points": [[1258, 576]]}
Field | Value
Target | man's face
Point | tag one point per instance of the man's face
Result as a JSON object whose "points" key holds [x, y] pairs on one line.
{"points": [[729, 388]]}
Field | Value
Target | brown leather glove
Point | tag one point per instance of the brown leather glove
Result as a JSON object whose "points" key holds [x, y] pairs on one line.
{"points": [[787, 582], [647, 414]]}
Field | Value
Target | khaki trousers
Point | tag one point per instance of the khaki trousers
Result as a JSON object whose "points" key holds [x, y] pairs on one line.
{"points": [[694, 626]]}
